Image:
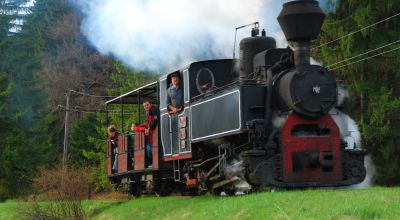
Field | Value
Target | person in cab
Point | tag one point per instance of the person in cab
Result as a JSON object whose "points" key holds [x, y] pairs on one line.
{"points": [[175, 95]]}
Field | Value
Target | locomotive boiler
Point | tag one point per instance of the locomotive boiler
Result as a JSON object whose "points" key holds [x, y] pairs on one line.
{"points": [[264, 120]]}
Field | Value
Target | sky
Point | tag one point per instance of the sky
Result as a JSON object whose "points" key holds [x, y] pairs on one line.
{"points": [[163, 35]]}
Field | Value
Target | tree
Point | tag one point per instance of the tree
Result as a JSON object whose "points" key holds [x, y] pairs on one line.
{"points": [[5, 87], [73, 65], [373, 83], [28, 137]]}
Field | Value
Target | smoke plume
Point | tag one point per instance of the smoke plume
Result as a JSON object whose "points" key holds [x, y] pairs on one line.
{"points": [[348, 128], [168, 34], [371, 174], [159, 34]]}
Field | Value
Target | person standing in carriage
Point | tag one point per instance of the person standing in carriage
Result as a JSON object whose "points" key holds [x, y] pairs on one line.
{"points": [[152, 114], [113, 134]]}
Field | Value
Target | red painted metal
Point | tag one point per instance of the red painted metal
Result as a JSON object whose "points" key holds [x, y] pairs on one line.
{"points": [[191, 182], [178, 157], [123, 153], [139, 150], [304, 146], [155, 149]]}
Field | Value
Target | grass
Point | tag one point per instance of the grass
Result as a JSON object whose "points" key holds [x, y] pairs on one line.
{"points": [[372, 203], [8, 210]]}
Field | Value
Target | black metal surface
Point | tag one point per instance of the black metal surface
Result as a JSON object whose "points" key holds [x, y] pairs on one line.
{"points": [[270, 57], [216, 116], [266, 171], [165, 134], [253, 102], [301, 20], [174, 134], [309, 90], [249, 47], [220, 69]]}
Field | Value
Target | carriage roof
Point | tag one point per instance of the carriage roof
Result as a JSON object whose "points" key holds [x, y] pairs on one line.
{"points": [[145, 93]]}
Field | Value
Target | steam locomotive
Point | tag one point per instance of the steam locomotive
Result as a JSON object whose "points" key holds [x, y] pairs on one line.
{"points": [[264, 120]]}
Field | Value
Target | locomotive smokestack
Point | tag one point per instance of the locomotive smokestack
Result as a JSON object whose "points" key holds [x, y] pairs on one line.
{"points": [[301, 22]]}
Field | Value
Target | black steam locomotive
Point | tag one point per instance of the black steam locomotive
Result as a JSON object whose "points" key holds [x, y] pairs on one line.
{"points": [[263, 120]]}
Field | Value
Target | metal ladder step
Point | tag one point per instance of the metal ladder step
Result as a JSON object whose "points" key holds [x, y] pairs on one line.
{"points": [[177, 171]]}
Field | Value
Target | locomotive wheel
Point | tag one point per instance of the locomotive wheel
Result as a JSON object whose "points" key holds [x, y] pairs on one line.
{"points": [[355, 169], [165, 188], [230, 191], [193, 191], [217, 191]]}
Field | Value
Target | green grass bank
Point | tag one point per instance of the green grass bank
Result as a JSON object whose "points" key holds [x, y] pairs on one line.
{"points": [[372, 203]]}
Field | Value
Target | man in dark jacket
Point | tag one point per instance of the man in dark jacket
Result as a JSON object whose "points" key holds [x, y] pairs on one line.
{"points": [[174, 95], [152, 114]]}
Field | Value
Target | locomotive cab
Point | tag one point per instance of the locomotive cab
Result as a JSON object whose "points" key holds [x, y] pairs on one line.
{"points": [[198, 80]]}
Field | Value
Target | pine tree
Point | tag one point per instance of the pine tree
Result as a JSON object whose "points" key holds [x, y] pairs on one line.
{"points": [[28, 141]]}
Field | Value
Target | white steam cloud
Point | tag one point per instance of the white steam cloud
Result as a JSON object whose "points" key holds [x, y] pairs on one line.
{"points": [[168, 34]]}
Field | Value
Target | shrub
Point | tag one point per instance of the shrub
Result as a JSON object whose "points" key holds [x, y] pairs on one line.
{"points": [[62, 193]]}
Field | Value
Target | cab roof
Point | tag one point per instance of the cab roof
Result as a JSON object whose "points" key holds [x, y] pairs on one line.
{"points": [[165, 75]]}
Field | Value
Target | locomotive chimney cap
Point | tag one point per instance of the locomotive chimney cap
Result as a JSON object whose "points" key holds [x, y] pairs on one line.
{"points": [[301, 20]]}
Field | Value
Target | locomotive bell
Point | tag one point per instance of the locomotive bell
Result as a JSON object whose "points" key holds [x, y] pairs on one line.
{"points": [[249, 47]]}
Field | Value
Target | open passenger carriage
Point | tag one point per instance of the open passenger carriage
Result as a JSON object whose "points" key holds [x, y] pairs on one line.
{"points": [[132, 172]]}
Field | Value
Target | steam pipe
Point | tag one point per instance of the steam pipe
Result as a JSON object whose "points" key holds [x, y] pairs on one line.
{"points": [[268, 103], [301, 52]]}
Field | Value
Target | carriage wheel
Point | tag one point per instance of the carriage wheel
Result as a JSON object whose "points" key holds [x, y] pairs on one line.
{"points": [[135, 190]]}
